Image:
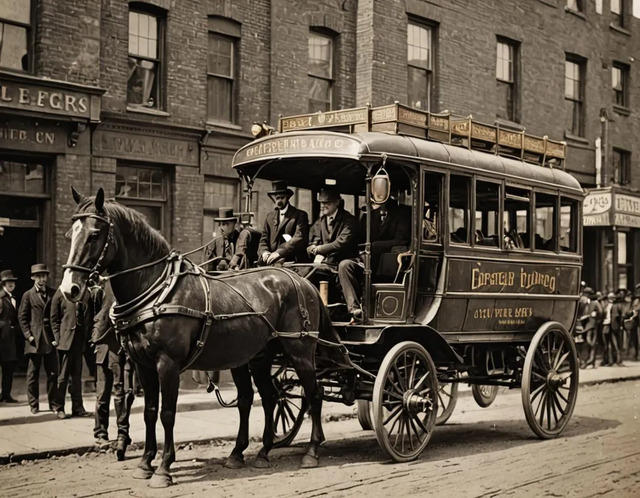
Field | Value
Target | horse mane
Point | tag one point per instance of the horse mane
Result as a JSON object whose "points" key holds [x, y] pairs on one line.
{"points": [[140, 230]]}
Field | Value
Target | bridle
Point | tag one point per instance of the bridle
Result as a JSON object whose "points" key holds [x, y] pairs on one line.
{"points": [[94, 273]]}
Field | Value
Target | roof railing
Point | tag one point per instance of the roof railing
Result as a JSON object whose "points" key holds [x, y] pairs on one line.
{"points": [[444, 127]]}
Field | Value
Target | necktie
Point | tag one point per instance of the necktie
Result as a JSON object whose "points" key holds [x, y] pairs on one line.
{"points": [[330, 225]]}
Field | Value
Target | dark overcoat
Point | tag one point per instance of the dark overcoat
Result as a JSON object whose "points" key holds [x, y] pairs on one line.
{"points": [[341, 243], [9, 327], [31, 317], [69, 322], [294, 225]]}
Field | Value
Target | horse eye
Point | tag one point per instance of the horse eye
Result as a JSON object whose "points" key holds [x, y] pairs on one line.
{"points": [[94, 236]]}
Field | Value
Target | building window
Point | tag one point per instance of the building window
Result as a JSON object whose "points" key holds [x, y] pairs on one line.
{"points": [[145, 60], [222, 69], [620, 84], [15, 33], [21, 177], [621, 163], [574, 95], [420, 65], [218, 192], [575, 5], [506, 76], [617, 13], [320, 72], [143, 188]]}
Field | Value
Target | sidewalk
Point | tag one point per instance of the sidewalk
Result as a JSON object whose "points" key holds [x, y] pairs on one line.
{"points": [[24, 436]]}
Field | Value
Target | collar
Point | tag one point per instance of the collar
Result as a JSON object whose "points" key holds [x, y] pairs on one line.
{"points": [[283, 211]]}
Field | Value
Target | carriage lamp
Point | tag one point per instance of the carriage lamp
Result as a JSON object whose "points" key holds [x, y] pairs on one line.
{"points": [[380, 186], [259, 130]]}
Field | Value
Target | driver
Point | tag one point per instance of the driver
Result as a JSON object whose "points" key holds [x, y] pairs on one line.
{"points": [[223, 247]]}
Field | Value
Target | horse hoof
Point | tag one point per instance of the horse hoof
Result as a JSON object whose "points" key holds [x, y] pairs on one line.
{"points": [[160, 481], [309, 462], [260, 463], [141, 473], [234, 462]]}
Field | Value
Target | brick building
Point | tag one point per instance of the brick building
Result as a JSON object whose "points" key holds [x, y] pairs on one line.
{"points": [[151, 99]]}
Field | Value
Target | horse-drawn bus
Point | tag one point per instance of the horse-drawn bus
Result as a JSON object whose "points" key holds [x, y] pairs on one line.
{"points": [[485, 289]]}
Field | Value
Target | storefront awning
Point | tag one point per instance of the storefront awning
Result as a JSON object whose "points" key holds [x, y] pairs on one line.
{"points": [[611, 206]]}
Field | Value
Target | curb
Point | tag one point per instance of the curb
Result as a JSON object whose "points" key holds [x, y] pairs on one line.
{"points": [[328, 418]]}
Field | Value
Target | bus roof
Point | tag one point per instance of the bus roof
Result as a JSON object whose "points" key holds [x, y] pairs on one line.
{"points": [[300, 157]]}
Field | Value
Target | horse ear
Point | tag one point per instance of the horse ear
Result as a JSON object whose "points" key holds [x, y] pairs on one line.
{"points": [[76, 196], [99, 202]]}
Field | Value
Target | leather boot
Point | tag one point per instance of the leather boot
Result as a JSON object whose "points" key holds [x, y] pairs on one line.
{"points": [[121, 446]]}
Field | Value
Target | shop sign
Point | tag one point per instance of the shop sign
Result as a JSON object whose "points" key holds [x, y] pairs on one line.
{"points": [[627, 211], [611, 208], [26, 96], [19, 135], [596, 208], [145, 148]]}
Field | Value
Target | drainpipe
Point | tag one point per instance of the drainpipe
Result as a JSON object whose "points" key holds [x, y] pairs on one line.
{"points": [[604, 147], [598, 162]]}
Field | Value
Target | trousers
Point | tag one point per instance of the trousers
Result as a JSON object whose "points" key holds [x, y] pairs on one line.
{"points": [[115, 374], [70, 375], [50, 361]]}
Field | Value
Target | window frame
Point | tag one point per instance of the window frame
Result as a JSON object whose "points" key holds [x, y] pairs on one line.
{"points": [[522, 194], [511, 82], [209, 210], [30, 39], [229, 30], [617, 16], [160, 17], [554, 220], [621, 97], [577, 104], [475, 211], [467, 212], [152, 202], [622, 166], [429, 70], [330, 79], [575, 6]]}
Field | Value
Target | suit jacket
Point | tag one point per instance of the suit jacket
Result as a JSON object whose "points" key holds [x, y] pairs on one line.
{"points": [[31, 317], [395, 230], [9, 327], [246, 249], [218, 249], [69, 322], [296, 225], [596, 314], [102, 300], [341, 243]]}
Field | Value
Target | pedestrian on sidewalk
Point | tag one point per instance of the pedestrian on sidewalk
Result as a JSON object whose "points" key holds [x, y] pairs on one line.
{"points": [[40, 344], [592, 328], [610, 352], [68, 323], [634, 332], [9, 327], [114, 371]]}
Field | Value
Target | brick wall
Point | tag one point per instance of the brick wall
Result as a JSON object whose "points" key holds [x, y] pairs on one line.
{"points": [[187, 208]]}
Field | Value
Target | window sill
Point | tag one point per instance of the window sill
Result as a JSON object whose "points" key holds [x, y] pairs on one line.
{"points": [[576, 13], [623, 111], [144, 110], [619, 29], [575, 139]]}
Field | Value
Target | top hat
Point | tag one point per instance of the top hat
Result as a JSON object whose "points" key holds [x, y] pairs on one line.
{"points": [[225, 214], [280, 187], [7, 276], [38, 268], [328, 195]]}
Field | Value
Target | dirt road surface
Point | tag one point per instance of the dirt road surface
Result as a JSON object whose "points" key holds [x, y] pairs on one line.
{"points": [[479, 453]]}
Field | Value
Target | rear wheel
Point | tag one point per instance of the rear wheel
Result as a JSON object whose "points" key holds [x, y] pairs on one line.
{"points": [[447, 399], [483, 394], [550, 381], [290, 406], [364, 414], [405, 401]]}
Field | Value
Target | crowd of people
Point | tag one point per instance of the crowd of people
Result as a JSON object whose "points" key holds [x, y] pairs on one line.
{"points": [[607, 326]]}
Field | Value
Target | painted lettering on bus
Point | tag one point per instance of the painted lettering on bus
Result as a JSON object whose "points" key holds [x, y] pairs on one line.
{"points": [[531, 278], [485, 279]]}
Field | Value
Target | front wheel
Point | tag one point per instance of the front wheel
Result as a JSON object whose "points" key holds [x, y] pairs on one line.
{"points": [[290, 406], [364, 414], [405, 401], [550, 381], [484, 395]]}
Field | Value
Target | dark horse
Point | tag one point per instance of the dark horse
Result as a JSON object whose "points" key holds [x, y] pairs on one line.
{"points": [[171, 317]]}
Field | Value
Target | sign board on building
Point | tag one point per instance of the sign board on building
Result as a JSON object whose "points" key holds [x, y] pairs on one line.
{"points": [[610, 207]]}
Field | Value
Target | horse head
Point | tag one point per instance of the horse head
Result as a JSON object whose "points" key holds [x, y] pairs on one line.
{"points": [[92, 245]]}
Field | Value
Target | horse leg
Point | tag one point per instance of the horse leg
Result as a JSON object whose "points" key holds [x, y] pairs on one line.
{"points": [[302, 359], [262, 377], [169, 376], [149, 381], [242, 379]]}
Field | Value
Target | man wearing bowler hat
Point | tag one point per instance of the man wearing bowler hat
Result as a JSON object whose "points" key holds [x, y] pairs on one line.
{"points": [[223, 247], [9, 327], [40, 345], [286, 230]]}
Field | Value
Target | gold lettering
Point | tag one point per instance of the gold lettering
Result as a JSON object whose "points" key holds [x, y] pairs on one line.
{"points": [[24, 96], [56, 100], [3, 95], [41, 96]]}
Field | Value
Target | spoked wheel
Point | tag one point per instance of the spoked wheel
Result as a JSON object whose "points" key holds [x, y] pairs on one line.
{"points": [[484, 395], [550, 380], [447, 399], [290, 407], [364, 414], [405, 401]]}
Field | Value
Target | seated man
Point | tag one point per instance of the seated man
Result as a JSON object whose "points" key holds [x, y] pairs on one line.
{"points": [[333, 237], [223, 247], [390, 227], [286, 230]]}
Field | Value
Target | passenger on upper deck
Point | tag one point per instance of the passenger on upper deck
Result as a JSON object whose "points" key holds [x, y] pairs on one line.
{"points": [[286, 230], [390, 227]]}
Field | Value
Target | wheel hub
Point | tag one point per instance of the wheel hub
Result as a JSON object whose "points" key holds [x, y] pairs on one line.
{"points": [[415, 403], [554, 380]]}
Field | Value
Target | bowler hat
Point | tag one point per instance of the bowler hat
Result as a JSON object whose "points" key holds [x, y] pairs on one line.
{"points": [[280, 187], [7, 276], [38, 268], [588, 291], [225, 214], [328, 195]]}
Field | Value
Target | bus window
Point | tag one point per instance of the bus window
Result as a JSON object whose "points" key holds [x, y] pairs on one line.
{"points": [[517, 208], [568, 224], [487, 212], [545, 235], [459, 209], [430, 221]]}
